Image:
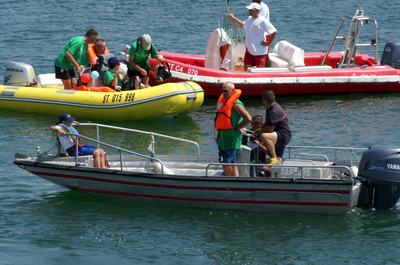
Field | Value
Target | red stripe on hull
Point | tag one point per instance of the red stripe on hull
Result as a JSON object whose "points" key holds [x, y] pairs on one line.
{"points": [[186, 187]]}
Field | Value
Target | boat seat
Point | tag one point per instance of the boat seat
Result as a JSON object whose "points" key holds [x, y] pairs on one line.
{"points": [[286, 54], [48, 79]]}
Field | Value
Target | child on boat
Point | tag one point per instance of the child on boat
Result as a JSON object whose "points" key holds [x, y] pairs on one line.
{"points": [[112, 77], [69, 144]]}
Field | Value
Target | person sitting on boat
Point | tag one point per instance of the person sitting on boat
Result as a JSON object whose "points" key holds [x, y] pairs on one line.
{"points": [[112, 76], [275, 132], [74, 56], [69, 144], [256, 27], [139, 66], [96, 52], [230, 120], [257, 123]]}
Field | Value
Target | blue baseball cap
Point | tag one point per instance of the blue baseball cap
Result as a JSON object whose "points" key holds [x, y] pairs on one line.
{"points": [[113, 61], [66, 117]]}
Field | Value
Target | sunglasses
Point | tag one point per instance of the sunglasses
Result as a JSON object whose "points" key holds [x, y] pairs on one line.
{"points": [[224, 90]]}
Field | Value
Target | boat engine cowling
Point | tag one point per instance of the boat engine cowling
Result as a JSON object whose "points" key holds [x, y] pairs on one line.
{"points": [[391, 54], [379, 172], [19, 74]]}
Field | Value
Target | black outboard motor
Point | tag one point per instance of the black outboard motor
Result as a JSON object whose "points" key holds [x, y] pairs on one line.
{"points": [[391, 54], [379, 172]]}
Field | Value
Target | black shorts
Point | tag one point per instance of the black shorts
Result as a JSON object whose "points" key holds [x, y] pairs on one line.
{"points": [[64, 74], [280, 145], [133, 74]]}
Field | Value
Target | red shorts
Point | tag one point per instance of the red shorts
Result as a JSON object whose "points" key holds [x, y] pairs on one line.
{"points": [[254, 60]]}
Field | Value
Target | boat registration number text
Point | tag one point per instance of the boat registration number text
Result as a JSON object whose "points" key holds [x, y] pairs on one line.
{"points": [[178, 68], [118, 97]]}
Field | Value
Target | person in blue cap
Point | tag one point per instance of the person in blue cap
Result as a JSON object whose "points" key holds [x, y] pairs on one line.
{"points": [[112, 77], [69, 144]]}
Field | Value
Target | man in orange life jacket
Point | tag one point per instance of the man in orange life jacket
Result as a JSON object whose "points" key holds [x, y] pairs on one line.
{"points": [[275, 133], [68, 142], [231, 118], [96, 50]]}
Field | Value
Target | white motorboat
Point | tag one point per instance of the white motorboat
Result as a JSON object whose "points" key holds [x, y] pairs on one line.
{"points": [[305, 182]]}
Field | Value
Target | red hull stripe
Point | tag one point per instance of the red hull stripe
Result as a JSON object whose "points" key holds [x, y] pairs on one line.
{"points": [[216, 200], [185, 187]]}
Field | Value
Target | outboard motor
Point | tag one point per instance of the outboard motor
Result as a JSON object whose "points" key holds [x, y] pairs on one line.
{"points": [[19, 74], [391, 54], [379, 173]]}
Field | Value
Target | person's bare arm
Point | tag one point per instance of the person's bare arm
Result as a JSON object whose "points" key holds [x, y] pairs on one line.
{"points": [[245, 115], [71, 58], [235, 19], [137, 67]]}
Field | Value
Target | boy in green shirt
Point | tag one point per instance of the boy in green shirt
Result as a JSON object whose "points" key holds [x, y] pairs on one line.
{"points": [[112, 77], [74, 56]]}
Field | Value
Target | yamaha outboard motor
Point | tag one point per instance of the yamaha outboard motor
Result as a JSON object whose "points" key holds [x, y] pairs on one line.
{"points": [[391, 54], [379, 173]]}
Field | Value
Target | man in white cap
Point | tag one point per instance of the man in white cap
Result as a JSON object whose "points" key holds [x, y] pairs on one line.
{"points": [[256, 26], [139, 66]]}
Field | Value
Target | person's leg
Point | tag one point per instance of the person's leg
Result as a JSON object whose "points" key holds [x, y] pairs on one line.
{"points": [[259, 61], [74, 82], [269, 141], [145, 81], [67, 83], [248, 60], [96, 158]]}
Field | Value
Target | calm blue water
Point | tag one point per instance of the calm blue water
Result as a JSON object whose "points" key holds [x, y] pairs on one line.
{"points": [[41, 223]]}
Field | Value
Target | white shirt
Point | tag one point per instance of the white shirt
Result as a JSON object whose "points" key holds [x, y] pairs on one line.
{"points": [[255, 33], [264, 11], [65, 140]]}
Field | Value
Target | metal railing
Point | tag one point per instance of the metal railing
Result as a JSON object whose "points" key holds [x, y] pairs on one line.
{"points": [[351, 150], [151, 134], [352, 38]]}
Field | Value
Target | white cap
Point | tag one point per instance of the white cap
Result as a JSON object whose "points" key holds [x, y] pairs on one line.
{"points": [[146, 41], [253, 6]]}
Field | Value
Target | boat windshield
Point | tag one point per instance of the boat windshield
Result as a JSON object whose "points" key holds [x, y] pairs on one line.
{"points": [[234, 32]]}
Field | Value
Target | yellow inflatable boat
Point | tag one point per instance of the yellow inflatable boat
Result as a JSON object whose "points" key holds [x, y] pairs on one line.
{"points": [[161, 100]]}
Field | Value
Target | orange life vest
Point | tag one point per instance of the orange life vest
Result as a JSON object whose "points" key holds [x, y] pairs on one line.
{"points": [[92, 53], [224, 111]]}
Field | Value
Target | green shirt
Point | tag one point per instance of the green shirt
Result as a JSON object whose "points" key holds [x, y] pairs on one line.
{"points": [[77, 47], [108, 77], [231, 139], [141, 56]]}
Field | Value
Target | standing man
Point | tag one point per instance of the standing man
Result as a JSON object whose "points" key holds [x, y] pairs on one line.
{"points": [[256, 27], [74, 56], [139, 65], [231, 118], [275, 133]]}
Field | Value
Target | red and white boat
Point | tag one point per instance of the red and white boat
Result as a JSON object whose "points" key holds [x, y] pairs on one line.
{"points": [[292, 70]]}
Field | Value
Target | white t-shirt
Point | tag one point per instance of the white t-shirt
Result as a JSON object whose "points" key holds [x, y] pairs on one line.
{"points": [[66, 140], [255, 33], [264, 11]]}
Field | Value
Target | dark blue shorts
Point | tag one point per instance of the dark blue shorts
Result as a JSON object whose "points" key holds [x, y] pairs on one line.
{"points": [[280, 145], [228, 156], [84, 150]]}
